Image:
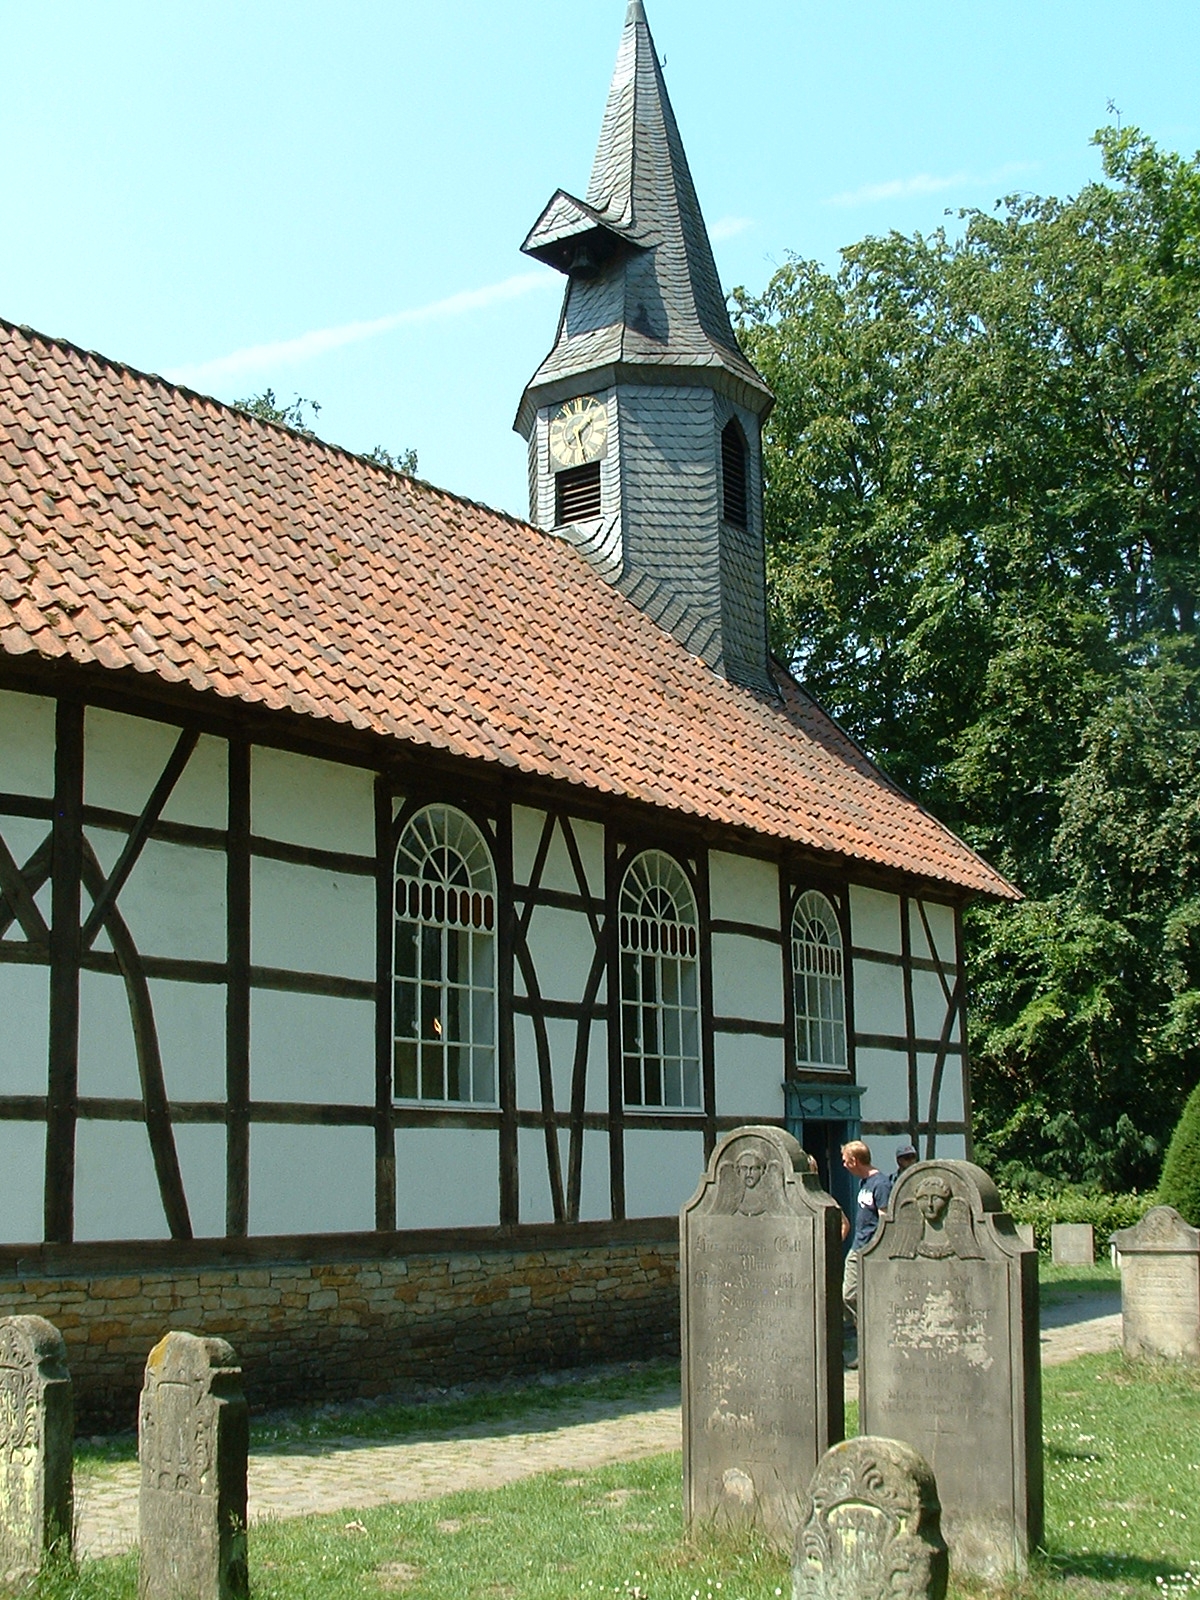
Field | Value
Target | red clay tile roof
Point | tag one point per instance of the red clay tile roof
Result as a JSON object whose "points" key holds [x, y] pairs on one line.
{"points": [[145, 526]]}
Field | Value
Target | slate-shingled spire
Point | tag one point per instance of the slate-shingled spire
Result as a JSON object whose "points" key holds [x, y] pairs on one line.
{"points": [[645, 335]]}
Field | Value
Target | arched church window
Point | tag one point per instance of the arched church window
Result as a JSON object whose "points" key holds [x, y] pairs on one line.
{"points": [[818, 980], [733, 474], [660, 984], [444, 1022]]}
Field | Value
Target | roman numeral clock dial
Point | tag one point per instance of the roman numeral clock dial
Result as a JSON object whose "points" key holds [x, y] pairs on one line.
{"points": [[578, 432]]}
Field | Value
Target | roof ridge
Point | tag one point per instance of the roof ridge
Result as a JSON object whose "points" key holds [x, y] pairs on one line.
{"points": [[114, 365]]}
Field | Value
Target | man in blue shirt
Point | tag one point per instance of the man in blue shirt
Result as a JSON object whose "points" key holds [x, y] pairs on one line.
{"points": [[874, 1188]]}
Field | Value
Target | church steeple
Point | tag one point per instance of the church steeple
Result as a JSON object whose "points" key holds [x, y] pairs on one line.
{"points": [[644, 420]]}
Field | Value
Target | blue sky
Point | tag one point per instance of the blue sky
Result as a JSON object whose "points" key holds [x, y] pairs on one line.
{"points": [[329, 198]]}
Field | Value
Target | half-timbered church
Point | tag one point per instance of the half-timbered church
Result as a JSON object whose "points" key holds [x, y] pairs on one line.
{"points": [[398, 899]]}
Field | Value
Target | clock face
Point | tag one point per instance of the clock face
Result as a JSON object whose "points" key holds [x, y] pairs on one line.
{"points": [[578, 432]]}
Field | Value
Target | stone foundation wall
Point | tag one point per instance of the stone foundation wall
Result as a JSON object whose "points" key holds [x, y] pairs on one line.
{"points": [[360, 1323]]}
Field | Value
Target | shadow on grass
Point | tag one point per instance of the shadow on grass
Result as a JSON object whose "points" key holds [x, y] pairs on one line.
{"points": [[508, 1411], [1099, 1567]]}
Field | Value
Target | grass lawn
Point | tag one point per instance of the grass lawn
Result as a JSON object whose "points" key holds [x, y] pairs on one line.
{"points": [[1122, 1498]]}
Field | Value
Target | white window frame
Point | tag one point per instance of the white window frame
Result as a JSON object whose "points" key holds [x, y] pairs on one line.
{"points": [[818, 984], [444, 962], [660, 986]]}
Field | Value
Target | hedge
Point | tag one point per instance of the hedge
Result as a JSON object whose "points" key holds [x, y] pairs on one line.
{"points": [[1106, 1212], [1179, 1185]]}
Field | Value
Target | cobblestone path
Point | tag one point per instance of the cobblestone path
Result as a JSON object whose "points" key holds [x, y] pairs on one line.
{"points": [[337, 1475]]}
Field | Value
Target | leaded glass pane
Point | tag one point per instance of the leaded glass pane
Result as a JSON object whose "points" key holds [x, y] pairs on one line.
{"points": [[445, 961], [659, 984], [818, 983]]}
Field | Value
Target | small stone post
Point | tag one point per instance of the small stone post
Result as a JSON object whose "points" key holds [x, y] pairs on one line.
{"points": [[949, 1359], [36, 1436], [760, 1280], [1160, 1287], [193, 1434], [871, 1527]]}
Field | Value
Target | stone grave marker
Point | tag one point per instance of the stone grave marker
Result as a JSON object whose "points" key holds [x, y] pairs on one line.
{"points": [[871, 1527], [193, 1434], [1160, 1287], [1072, 1244], [760, 1283], [36, 1438], [949, 1357]]}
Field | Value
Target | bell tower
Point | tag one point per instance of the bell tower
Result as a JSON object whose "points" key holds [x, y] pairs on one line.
{"points": [[644, 422]]}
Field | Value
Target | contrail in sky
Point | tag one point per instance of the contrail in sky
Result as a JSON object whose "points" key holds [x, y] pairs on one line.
{"points": [[287, 352]]}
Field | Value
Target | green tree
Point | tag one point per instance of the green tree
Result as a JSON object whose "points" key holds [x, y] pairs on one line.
{"points": [[301, 416], [983, 504]]}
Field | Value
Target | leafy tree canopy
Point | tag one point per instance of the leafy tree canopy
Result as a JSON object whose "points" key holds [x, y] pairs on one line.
{"points": [[301, 416], [983, 520]]}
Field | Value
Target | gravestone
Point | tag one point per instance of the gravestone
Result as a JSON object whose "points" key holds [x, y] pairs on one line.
{"points": [[1072, 1244], [760, 1283], [949, 1357], [871, 1527], [36, 1436], [1160, 1287], [192, 1443]]}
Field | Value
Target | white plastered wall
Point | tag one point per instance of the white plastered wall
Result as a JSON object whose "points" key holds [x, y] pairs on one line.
{"points": [[311, 1180], [116, 1187], [303, 800], [749, 1074], [24, 1032], [26, 744], [563, 949], [884, 1077], [875, 920], [23, 1163], [124, 758], [742, 889], [173, 902], [747, 978], [447, 1177], [662, 1170], [558, 873], [200, 1148], [305, 919], [311, 1048]]}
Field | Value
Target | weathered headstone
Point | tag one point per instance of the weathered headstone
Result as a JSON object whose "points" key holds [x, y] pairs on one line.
{"points": [[36, 1434], [1160, 1287], [949, 1358], [871, 1527], [760, 1259], [1072, 1244], [192, 1444]]}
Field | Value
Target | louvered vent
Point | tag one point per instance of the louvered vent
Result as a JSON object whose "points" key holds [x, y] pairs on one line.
{"points": [[577, 494], [733, 474]]}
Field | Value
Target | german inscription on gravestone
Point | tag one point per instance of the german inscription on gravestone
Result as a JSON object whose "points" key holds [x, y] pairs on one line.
{"points": [[192, 1443], [36, 1434], [871, 1527], [1160, 1287], [949, 1358], [761, 1329]]}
